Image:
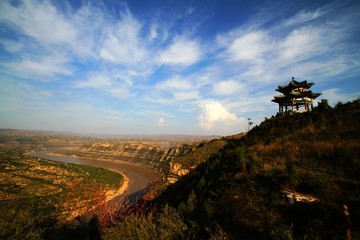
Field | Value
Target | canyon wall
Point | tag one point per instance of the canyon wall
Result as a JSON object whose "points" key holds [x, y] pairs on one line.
{"points": [[151, 155], [172, 160]]}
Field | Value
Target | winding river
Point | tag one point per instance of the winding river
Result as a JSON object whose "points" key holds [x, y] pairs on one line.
{"points": [[139, 177]]}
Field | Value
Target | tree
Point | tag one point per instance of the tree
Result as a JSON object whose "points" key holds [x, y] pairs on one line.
{"points": [[323, 105], [250, 123]]}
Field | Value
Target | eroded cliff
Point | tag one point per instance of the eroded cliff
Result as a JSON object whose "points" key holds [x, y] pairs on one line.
{"points": [[150, 155], [172, 160]]}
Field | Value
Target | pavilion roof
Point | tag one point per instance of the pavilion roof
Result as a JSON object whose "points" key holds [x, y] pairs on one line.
{"points": [[287, 88], [282, 98]]}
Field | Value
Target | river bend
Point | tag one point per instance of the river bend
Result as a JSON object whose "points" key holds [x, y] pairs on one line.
{"points": [[139, 177]]}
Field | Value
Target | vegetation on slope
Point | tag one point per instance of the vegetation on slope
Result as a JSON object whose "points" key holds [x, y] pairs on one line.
{"points": [[38, 195], [236, 194]]}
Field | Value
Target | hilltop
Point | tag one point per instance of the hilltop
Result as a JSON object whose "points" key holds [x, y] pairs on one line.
{"points": [[238, 192]]}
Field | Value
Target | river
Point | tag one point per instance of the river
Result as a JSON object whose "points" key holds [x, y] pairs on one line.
{"points": [[139, 177]]}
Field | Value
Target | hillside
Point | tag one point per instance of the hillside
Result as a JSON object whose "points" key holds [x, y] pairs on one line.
{"points": [[238, 193], [38, 197]]}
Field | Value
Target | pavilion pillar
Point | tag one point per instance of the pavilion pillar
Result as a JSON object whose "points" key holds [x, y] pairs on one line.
{"points": [[280, 109]]}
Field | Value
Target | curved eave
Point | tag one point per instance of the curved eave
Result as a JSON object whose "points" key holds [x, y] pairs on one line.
{"points": [[308, 94], [315, 95], [288, 98], [286, 88]]}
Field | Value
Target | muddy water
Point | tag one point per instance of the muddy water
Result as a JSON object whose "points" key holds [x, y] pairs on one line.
{"points": [[139, 177]]}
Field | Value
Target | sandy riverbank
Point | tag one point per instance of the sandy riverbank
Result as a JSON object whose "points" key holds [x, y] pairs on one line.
{"points": [[135, 178], [112, 194]]}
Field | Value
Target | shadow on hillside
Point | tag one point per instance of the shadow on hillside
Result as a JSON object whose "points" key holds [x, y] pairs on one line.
{"points": [[89, 225]]}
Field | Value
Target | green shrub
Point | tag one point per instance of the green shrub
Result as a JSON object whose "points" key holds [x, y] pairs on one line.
{"points": [[162, 224]]}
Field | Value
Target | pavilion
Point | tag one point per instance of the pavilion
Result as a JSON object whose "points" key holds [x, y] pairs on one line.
{"points": [[295, 97]]}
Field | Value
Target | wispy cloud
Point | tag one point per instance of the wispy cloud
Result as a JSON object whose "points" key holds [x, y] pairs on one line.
{"points": [[39, 20], [335, 95], [122, 44], [303, 16], [22, 96], [229, 87], [303, 43], [188, 95], [266, 54], [43, 68], [175, 83], [11, 45], [107, 83], [181, 52], [248, 47], [47, 26], [172, 62]]}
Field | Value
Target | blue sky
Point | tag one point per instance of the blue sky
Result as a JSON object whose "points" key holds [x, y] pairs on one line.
{"points": [[180, 67]]}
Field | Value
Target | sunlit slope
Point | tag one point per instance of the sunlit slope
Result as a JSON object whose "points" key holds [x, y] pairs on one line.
{"points": [[51, 188], [238, 191]]}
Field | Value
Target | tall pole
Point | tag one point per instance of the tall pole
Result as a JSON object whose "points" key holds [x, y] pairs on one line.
{"points": [[347, 222]]}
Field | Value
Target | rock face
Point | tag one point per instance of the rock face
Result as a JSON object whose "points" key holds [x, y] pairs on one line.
{"points": [[149, 155], [172, 161], [182, 164], [175, 172]]}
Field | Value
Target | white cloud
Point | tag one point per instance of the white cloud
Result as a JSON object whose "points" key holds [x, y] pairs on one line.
{"points": [[314, 51], [303, 16], [214, 116], [66, 30], [182, 52], [153, 32], [302, 43], [122, 43], [11, 46], [174, 83], [107, 83], [227, 87], [15, 95], [179, 89], [334, 95], [39, 20], [43, 68], [250, 46], [161, 122], [120, 91], [188, 95], [102, 81]]}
